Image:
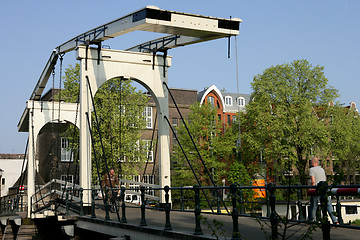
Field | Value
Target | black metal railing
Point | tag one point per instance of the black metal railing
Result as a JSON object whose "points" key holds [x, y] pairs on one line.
{"points": [[239, 201], [11, 205]]}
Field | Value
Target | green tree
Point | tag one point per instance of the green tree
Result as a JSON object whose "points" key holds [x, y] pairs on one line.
{"points": [[214, 141], [119, 106], [344, 124], [285, 120]]}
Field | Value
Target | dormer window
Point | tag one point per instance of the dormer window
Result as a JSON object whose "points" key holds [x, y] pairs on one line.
{"points": [[228, 101], [241, 101]]}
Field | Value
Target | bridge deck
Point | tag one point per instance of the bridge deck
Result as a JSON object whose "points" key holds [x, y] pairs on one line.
{"points": [[183, 224]]}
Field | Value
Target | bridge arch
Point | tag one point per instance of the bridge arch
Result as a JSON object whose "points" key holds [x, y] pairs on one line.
{"points": [[97, 67]]}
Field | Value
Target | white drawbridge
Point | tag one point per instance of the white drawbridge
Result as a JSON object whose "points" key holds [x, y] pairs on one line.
{"points": [[140, 63]]}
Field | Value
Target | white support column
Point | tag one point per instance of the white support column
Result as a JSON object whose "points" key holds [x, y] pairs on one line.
{"points": [[85, 137], [31, 164], [164, 144]]}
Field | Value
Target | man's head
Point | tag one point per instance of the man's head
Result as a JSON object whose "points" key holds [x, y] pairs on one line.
{"points": [[112, 171], [315, 161]]}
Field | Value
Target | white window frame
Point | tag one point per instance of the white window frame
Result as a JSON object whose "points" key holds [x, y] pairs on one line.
{"points": [[149, 152], [67, 155], [135, 187], [228, 101], [241, 101], [147, 114]]}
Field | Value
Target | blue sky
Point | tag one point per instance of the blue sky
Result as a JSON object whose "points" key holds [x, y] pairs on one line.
{"points": [[325, 32]]}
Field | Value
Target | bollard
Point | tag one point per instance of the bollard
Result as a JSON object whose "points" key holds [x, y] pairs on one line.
{"points": [[338, 210], [123, 206], [299, 204], [197, 211], [325, 224], [93, 195], [81, 202], [107, 216], [234, 213], [273, 216], [143, 220], [167, 209]]}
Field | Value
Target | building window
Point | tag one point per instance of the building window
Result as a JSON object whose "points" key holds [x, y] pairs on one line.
{"points": [[219, 117], [147, 113], [351, 210], [3, 181], [174, 122], [241, 101], [134, 186], [150, 179], [66, 153], [228, 101], [149, 151], [218, 104], [228, 119], [69, 179], [211, 101]]}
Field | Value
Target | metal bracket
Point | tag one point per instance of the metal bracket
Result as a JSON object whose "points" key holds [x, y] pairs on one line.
{"points": [[158, 45], [91, 36]]}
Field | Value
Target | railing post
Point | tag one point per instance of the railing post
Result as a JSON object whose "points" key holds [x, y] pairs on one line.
{"points": [[299, 204], [338, 210], [218, 201], [107, 216], [22, 203], [143, 220], [241, 200], [167, 209], [93, 195], [81, 202], [197, 211], [268, 211], [234, 213], [182, 199], [123, 206], [273, 217], [67, 202], [325, 224], [17, 201]]}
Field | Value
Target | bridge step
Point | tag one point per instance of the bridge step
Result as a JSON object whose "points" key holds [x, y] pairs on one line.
{"points": [[26, 232]]}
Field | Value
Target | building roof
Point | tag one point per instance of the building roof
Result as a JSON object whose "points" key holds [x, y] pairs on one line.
{"points": [[222, 94], [11, 156], [234, 106]]}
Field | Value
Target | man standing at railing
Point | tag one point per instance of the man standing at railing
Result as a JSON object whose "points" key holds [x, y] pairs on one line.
{"points": [[110, 181], [317, 174]]}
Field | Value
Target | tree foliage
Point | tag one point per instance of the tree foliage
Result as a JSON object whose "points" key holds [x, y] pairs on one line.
{"points": [[285, 120], [344, 126], [214, 141]]}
